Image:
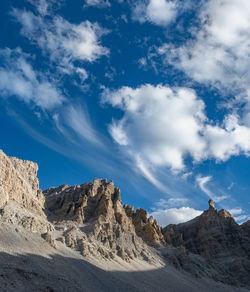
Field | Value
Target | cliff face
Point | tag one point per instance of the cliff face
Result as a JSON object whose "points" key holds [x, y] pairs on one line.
{"points": [[96, 223], [21, 200], [89, 219], [216, 237], [210, 234]]}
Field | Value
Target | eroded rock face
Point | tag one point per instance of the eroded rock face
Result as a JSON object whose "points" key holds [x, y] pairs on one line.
{"points": [[96, 223], [146, 228], [91, 219], [215, 236], [21, 201], [209, 234]]}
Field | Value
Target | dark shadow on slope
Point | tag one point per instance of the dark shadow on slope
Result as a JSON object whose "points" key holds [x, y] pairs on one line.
{"points": [[57, 273]]}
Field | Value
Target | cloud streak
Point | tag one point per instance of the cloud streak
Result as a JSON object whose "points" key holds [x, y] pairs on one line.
{"points": [[202, 182]]}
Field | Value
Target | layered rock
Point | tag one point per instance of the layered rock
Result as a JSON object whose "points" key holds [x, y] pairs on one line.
{"points": [[21, 200]]}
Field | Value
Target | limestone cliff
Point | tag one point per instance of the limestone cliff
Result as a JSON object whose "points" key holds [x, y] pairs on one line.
{"points": [[21, 200], [96, 223], [90, 220]]}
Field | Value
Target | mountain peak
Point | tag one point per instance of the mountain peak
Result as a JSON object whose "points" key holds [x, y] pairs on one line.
{"points": [[90, 219], [211, 204]]}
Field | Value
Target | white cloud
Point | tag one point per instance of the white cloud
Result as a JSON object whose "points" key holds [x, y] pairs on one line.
{"points": [[219, 54], [18, 78], [63, 41], [228, 141], [160, 124], [97, 3], [242, 218], [175, 215], [158, 12], [236, 211], [202, 182], [170, 203]]}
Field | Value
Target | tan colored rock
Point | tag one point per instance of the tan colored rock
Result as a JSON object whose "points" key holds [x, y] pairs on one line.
{"points": [[48, 237], [211, 204], [109, 232], [21, 201], [146, 228]]}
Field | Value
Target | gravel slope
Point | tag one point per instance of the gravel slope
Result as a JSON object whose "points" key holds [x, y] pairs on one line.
{"points": [[29, 263]]}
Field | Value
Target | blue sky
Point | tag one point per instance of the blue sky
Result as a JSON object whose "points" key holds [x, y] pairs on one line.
{"points": [[151, 94]]}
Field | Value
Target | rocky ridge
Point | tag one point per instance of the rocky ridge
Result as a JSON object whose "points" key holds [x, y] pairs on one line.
{"points": [[216, 237], [91, 220]]}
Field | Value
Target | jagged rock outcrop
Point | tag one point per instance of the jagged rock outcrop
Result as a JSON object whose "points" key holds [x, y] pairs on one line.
{"points": [[96, 223], [146, 228], [215, 236], [91, 220], [21, 200]]}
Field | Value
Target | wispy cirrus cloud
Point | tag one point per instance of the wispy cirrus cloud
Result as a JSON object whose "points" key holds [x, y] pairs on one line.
{"points": [[202, 182], [46, 7], [76, 118]]}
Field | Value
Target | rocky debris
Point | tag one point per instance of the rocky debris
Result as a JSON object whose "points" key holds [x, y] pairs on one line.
{"points": [[49, 238], [216, 237], [91, 219], [21, 200]]}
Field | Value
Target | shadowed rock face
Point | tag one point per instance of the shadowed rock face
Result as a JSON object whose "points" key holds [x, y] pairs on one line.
{"points": [[215, 236], [210, 234], [246, 227]]}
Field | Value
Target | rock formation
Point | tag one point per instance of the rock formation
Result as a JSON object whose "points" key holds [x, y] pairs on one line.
{"points": [[147, 228], [215, 236], [90, 220], [21, 200], [96, 223]]}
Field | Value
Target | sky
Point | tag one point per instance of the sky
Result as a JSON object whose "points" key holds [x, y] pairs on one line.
{"points": [[152, 94]]}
